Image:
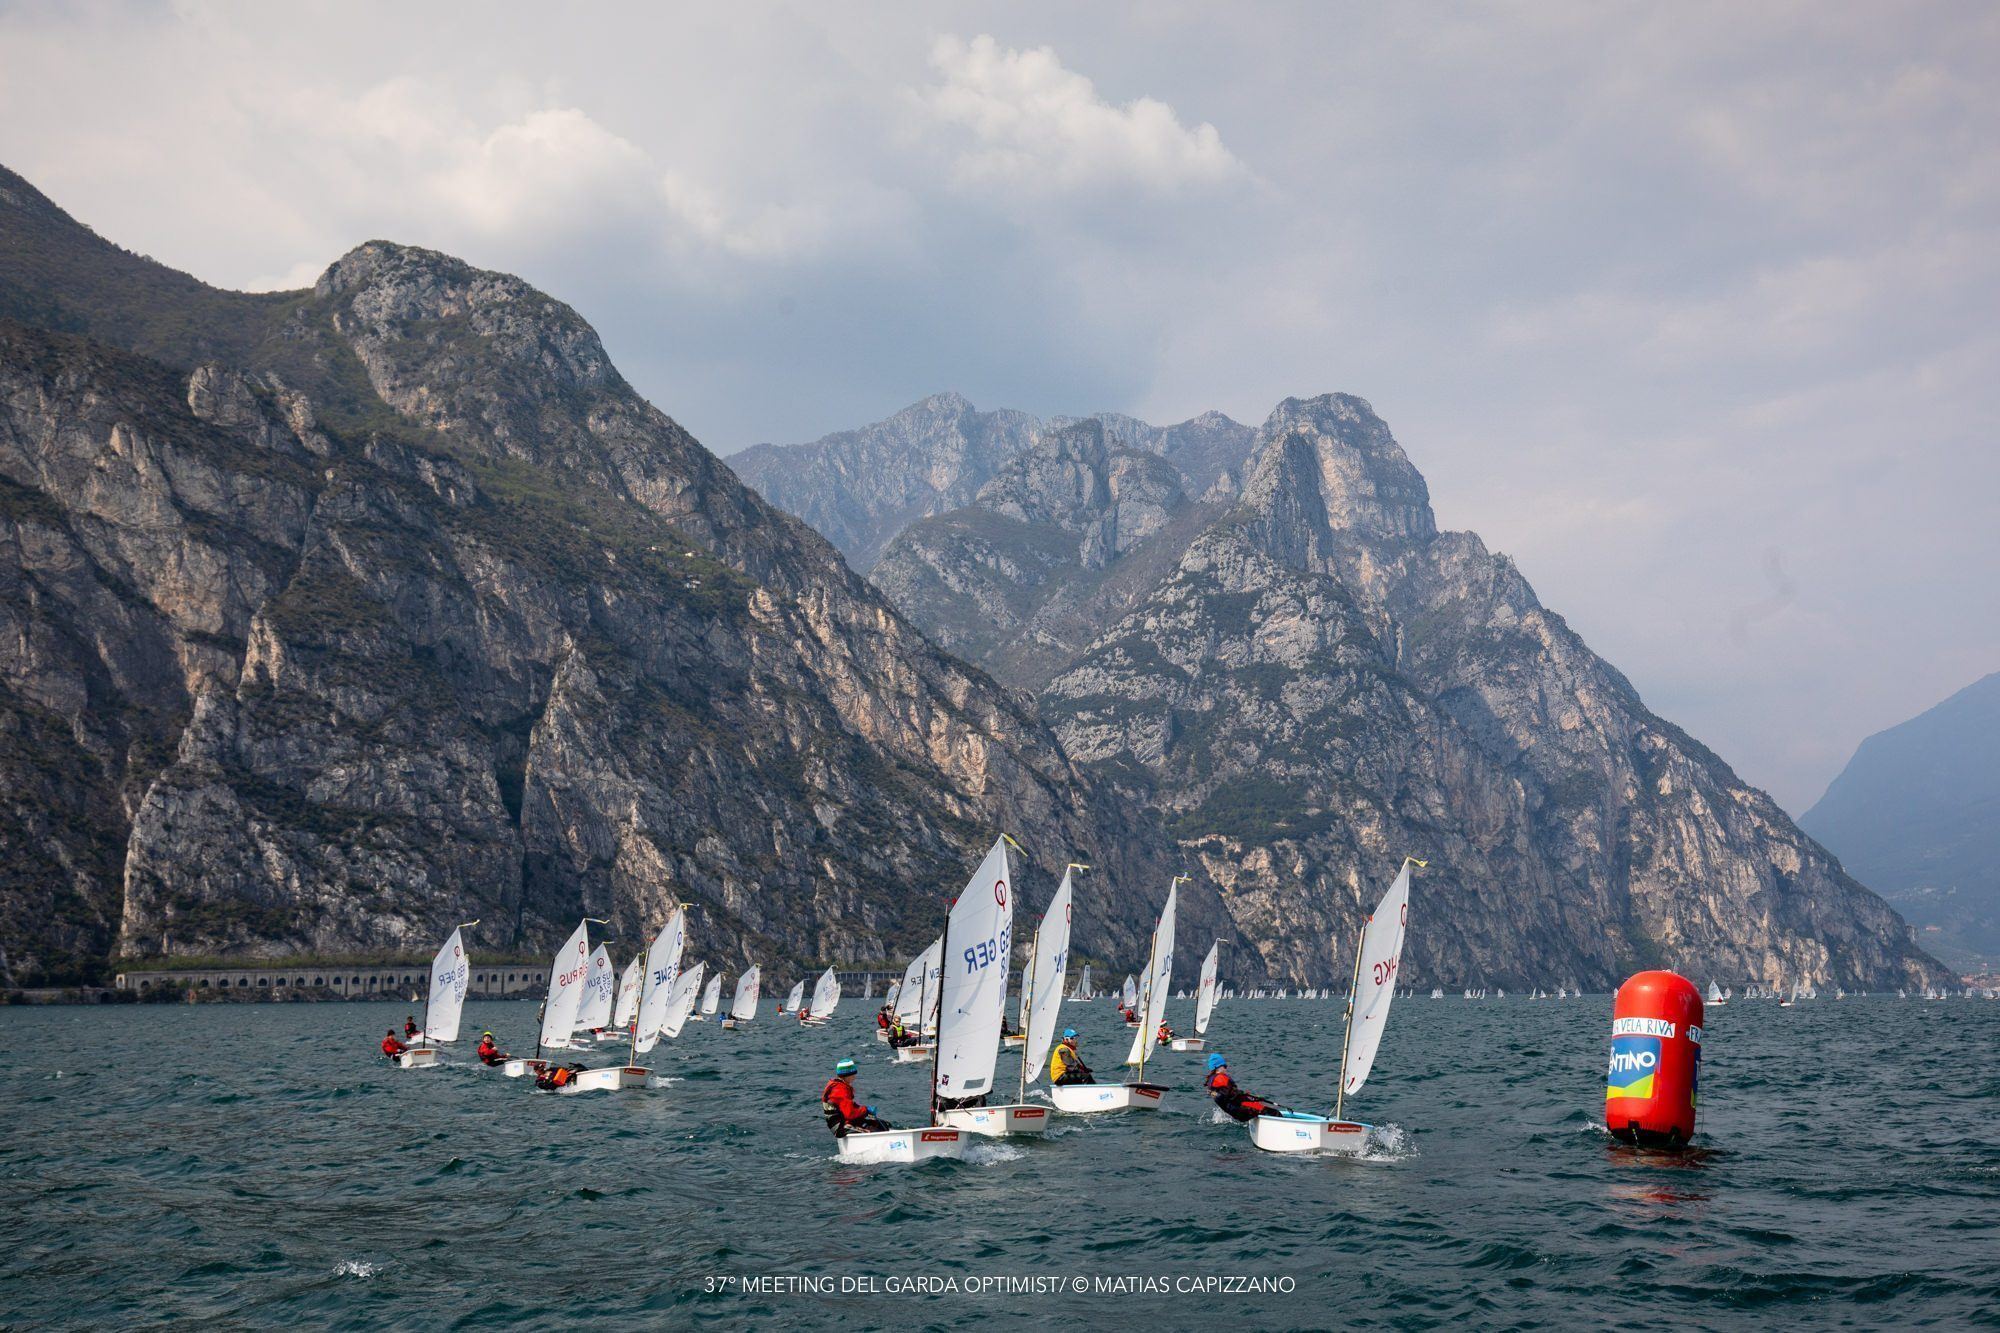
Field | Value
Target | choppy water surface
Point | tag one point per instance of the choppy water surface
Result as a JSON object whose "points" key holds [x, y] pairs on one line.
{"points": [[259, 1164]]}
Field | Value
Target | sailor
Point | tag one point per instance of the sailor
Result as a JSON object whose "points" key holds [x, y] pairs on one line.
{"points": [[885, 1017], [390, 1046], [900, 1034], [1065, 1065], [410, 1026], [488, 1051], [843, 1114], [1166, 1036], [554, 1077], [1235, 1102]]}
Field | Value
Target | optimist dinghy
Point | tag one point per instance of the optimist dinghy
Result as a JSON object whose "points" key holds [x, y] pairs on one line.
{"points": [[711, 999], [1204, 1003], [1153, 989], [449, 978], [886, 1146], [743, 1006], [972, 999], [656, 985], [1377, 956], [826, 998], [1041, 1004], [567, 971]]}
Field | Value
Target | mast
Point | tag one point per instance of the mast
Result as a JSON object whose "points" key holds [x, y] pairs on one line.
{"points": [[1347, 1028], [937, 1042]]}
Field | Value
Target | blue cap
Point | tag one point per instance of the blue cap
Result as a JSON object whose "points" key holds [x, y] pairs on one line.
{"points": [[1215, 1062], [845, 1067], [1069, 1033]]}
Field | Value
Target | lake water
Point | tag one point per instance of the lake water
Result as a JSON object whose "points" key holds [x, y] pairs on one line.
{"points": [[258, 1165]]}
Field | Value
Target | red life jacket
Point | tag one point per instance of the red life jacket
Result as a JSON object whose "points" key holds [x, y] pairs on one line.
{"points": [[390, 1046]]}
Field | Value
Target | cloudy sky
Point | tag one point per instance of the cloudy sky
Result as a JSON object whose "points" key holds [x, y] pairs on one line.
{"points": [[1690, 308]]}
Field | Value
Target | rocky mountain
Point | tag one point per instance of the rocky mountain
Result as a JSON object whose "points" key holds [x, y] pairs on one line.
{"points": [[1057, 545], [1309, 680], [1915, 815], [862, 487], [334, 617]]}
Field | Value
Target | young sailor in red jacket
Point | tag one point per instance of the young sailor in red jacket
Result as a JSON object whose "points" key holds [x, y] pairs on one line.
{"points": [[843, 1114], [390, 1046], [489, 1051], [410, 1028], [1233, 1100], [1166, 1037]]}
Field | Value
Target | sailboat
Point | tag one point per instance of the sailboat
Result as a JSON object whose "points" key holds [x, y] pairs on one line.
{"points": [[1129, 998], [973, 952], [743, 1005], [1041, 1000], [711, 998], [1377, 956], [1715, 1000], [920, 1008], [1041, 1005], [566, 973], [1204, 1002], [661, 973], [449, 978], [794, 999], [826, 998], [1083, 991], [1150, 1000]]}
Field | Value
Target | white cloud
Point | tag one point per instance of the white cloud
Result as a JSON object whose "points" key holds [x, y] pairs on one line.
{"points": [[1034, 124]]}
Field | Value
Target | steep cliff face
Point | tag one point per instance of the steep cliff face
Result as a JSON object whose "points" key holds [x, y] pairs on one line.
{"points": [[863, 487], [1056, 546], [407, 610], [1320, 682]]}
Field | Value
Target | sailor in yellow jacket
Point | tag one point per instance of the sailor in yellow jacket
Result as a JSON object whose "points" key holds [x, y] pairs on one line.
{"points": [[1065, 1065]]}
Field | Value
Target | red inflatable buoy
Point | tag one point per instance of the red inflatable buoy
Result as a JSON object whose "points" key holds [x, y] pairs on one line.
{"points": [[1655, 1075]]}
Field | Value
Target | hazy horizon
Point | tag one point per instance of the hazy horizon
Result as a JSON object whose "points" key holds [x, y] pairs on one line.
{"points": [[1689, 311]]}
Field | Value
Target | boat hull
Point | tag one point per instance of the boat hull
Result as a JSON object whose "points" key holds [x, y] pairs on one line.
{"points": [[522, 1068], [1014, 1043], [417, 1057], [998, 1122], [1190, 1043], [897, 1146], [728, 1024], [1093, 1098], [1307, 1134], [609, 1079], [910, 1055]]}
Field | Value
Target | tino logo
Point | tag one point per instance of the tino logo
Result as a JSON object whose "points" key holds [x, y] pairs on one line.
{"points": [[1634, 1061]]}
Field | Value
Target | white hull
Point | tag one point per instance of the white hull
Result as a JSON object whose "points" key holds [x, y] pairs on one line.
{"points": [[1190, 1044], [882, 1035], [728, 1024], [1280, 1134], [998, 1122], [1089, 1098], [900, 1145], [521, 1068], [1014, 1043], [910, 1055], [418, 1057], [609, 1079]]}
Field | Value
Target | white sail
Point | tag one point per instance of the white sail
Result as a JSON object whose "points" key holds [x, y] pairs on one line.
{"points": [[826, 994], [1041, 993], [797, 995], [600, 986], [680, 1001], [566, 973], [1131, 993], [1083, 991], [743, 1007], [1714, 992], [1204, 996], [1375, 984], [1153, 991], [920, 986], [979, 942], [711, 997], [890, 996], [663, 969], [449, 979], [629, 984]]}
